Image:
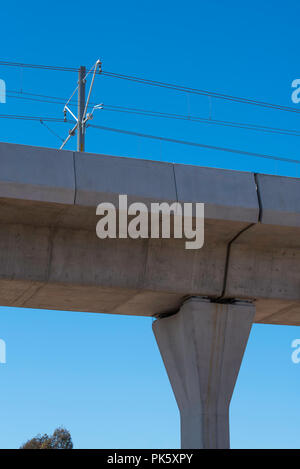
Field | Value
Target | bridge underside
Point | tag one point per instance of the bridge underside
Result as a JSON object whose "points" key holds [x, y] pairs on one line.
{"points": [[50, 257], [59, 263]]}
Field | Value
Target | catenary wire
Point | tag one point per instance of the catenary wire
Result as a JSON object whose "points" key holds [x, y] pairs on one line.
{"points": [[159, 114], [195, 144], [154, 137], [172, 86]]}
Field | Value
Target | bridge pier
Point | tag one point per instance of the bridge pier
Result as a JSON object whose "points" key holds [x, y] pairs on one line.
{"points": [[202, 347]]}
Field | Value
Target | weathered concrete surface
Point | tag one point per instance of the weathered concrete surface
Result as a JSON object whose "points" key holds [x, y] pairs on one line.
{"points": [[280, 198], [202, 347], [103, 178], [32, 173], [51, 258], [228, 195]]}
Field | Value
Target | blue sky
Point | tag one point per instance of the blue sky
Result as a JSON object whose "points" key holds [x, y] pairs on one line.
{"points": [[101, 375]]}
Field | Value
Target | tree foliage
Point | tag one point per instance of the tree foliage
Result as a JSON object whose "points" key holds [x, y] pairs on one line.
{"points": [[61, 439]]}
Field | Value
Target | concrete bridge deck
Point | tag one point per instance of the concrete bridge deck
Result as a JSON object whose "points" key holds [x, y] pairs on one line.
{"points": [[51, 258]]}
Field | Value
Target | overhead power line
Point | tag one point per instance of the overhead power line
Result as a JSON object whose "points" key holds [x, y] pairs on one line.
{"points": [[202, 120], [211, 94], [51, 131], [84, 117], [159, 114], [36, 66], [194, 144], [36, 97], [171, 86], [32, 118], [154, 137]]}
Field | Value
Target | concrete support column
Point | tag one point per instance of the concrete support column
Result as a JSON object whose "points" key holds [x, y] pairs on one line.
{"points": [[202, 347]]}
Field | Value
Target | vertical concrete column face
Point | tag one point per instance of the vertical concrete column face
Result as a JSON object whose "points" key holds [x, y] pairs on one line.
{"points": [[202, 347]]}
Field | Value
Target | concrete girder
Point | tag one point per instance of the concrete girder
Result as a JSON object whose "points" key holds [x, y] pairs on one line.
{"points": [[50, 256]]}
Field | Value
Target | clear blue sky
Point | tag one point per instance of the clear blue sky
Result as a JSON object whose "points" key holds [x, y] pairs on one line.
{"points": [[101, 375]]}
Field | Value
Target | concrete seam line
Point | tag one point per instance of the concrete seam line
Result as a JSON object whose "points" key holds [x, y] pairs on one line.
{"points": [[228, 258], [220, 298], [174, 174], [258, 198], [75, 182]]}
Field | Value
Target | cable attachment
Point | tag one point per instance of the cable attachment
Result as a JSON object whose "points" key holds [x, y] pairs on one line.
{"points": [[90, 115], [83, 116]]}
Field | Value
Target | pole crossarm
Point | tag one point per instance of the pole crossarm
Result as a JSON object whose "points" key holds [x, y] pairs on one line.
{"points": [[82, 106]]}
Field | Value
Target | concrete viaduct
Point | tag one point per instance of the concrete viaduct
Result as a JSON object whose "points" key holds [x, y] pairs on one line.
{"points": [[204, 301]]}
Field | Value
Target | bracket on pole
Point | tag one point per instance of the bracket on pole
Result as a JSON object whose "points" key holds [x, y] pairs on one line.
{"points": [[82, 106]]}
